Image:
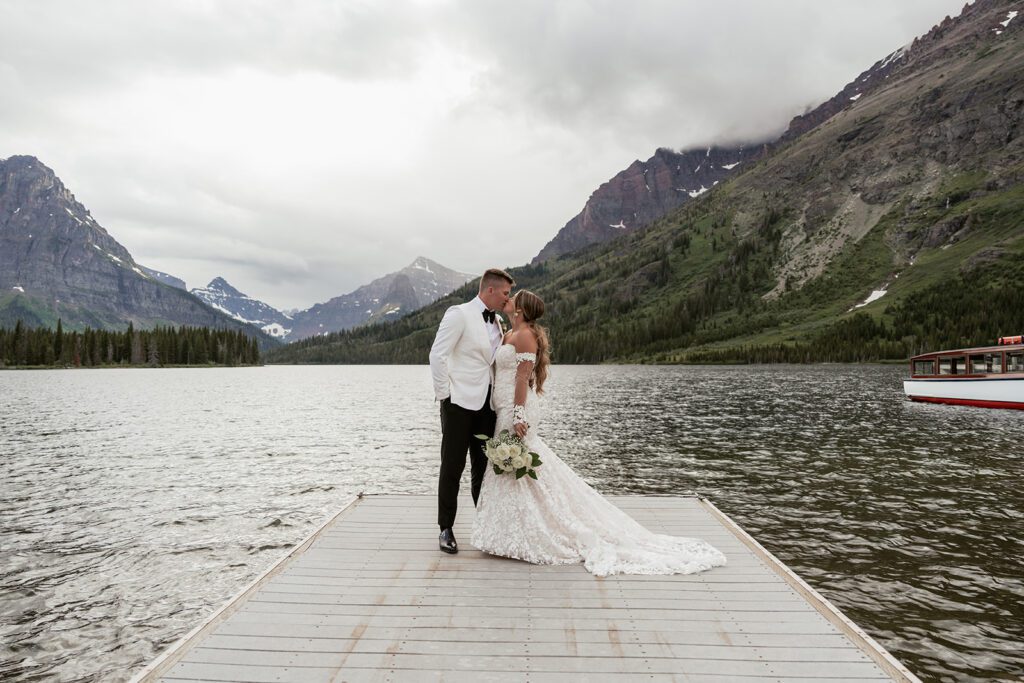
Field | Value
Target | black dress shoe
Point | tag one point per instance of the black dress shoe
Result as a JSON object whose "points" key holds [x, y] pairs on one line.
{"points": [[447, 541]]}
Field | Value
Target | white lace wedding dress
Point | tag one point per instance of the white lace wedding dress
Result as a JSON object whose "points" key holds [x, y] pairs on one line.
{"points": [[558, 518]]}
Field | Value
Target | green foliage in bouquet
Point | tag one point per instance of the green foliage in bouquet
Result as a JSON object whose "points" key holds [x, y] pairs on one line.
{"points": [[507, 453]]}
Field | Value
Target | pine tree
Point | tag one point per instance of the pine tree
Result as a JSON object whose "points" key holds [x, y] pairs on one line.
{"points": [[58, 341], [18, 344], [138, 350]]}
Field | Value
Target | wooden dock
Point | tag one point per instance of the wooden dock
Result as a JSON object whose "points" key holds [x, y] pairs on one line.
{"points": [[368, 597]]}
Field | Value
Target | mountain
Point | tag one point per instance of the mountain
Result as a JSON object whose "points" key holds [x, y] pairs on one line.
{"points": [[391, 296], [646, 191], [169, 280], [886, 221], [228, 300], [57, 261]]}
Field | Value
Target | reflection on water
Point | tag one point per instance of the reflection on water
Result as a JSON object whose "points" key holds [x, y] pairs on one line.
{"points": [[134, 502]]}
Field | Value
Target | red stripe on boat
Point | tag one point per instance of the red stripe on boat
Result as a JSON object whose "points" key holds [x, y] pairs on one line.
{"points": [[970, 402]]}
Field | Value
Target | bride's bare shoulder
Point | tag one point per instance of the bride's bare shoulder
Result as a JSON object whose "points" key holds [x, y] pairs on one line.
{"points": [[524, 340]]}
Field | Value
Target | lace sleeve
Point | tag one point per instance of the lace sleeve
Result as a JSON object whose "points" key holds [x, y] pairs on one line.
{"points": [[525, 363]]}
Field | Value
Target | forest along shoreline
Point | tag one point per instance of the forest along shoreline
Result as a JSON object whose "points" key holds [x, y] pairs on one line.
{"points": [[23, 348]]}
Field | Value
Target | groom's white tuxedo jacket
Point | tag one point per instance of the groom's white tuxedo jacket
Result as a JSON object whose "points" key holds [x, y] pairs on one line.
{"points": [[462, 355]]}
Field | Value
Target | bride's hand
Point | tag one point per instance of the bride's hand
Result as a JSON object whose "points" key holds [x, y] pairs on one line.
{"points": [[519, 423]]}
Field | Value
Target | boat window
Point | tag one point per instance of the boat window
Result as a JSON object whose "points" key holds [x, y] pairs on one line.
{"points": [[1015, 362], [952, 365], [924, 367], [994, 363], [978, 366]]}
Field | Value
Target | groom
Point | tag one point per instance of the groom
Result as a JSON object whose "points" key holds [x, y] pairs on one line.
{"points": [[460, 363]]}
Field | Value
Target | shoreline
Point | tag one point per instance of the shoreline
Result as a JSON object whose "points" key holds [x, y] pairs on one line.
{"points": [[262, 365], [121, 367]]}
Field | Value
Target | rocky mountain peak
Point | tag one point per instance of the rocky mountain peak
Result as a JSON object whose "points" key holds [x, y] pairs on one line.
{"points": [[28, 169], [221, 296], [646, 191], [394, 295], [29, 179], [219, 284]]}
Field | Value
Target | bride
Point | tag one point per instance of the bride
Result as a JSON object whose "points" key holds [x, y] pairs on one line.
{"points": [[558, 518]]}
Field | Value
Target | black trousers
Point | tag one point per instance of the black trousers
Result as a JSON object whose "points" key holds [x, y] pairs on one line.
{"points": [[458, 427]]}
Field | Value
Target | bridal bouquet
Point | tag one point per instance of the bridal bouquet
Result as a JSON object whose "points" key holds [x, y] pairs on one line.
{"points": [[508, 453]]}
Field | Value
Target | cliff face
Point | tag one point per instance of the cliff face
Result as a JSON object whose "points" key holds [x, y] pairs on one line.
{"points": [[57, 261], [646, 191], [917, 147]]}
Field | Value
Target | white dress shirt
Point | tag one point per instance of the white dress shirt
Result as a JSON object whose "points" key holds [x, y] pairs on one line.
{"points": [[493, 330]]}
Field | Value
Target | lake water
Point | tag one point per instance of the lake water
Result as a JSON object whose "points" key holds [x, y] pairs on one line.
{"points": [[135, 502]]}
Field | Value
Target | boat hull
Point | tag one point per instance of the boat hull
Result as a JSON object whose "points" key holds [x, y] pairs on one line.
{"points": [[1001, 392]]}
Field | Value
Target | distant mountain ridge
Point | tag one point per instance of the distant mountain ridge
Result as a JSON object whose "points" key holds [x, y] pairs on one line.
{"points": [[57, 261], [169, 280], [388, 297]]}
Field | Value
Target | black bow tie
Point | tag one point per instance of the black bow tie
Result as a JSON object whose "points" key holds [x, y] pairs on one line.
{"points": [[489, 316]]}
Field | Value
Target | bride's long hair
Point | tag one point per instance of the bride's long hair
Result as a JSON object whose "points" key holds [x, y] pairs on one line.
{"points": [[532, 307]]}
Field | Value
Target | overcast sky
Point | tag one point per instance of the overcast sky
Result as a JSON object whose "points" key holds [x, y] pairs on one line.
{"points": [[302, 148]]}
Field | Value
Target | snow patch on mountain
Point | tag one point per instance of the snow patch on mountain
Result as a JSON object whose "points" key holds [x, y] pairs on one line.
{"points": [[874, 296], [275, 330]]}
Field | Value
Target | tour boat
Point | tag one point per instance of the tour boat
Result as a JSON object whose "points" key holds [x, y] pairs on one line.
{"points": [[987, 376]]}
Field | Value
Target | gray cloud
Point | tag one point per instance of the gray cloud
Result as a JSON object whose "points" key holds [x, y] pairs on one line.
{"points": [[692, 71], [300, 149], [67, 44]]}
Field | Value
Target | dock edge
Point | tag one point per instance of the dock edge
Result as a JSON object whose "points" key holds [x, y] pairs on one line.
{"points": [[866, 643], [169, 657]]}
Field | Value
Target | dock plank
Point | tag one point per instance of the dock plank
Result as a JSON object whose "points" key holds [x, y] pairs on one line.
{"points": [[556, 645], [687, 622], [704, 636], [369, 597]]}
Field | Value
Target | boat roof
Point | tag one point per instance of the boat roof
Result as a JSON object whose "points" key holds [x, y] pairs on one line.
{"points": [[977, 349]]}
